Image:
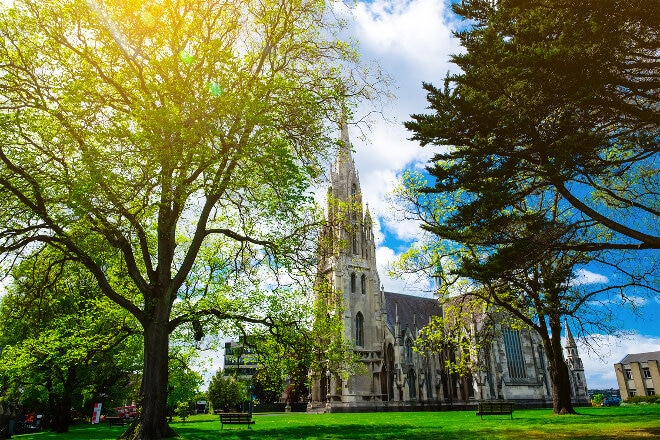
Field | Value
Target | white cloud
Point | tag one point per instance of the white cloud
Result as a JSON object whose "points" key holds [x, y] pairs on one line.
{"points": [[410, 40], [583, 276], [409, 285], [599, 365]]}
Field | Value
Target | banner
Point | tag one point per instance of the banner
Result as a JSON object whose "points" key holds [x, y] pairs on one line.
{"points": [[96, 414]]}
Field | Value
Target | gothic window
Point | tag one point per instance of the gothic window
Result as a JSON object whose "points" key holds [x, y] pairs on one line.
{"points": [[412, 387], [408, 351], [353, 203], [514, 356], [363, 284], [353, 283], [355, 243], [359, 330]]}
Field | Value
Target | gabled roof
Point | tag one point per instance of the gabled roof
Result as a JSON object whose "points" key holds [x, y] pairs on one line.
{"points": [[410, 309], [641, 357]]}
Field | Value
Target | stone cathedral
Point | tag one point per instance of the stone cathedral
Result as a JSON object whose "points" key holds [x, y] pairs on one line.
{"points": [[382, 327]]}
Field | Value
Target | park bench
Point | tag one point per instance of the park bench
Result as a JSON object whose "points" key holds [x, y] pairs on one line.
{"points": [[236, 419], [495, 408], [116, 421]]}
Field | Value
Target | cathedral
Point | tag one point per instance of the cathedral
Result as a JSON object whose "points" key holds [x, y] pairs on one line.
{"points": [[382, 327]]}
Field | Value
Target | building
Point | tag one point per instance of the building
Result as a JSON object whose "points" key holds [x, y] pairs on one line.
{"points": [[638, 374], [239, 360], [384, 325]]}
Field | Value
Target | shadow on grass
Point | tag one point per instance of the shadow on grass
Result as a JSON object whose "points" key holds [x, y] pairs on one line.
{"points": [[393, 433], [319, 432]]}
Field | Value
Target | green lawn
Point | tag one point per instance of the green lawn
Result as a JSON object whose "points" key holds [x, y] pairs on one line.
{"points": [[626, 422]]}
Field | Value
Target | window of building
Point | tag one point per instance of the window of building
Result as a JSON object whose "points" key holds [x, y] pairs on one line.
{"points": [[353, 283], [650, 392], [363, 284], [632, 393], [359, 330], [412, 384], [408, 350], [514, 356], [646, 373], [628, 374], [353, 203], [355, 243]]}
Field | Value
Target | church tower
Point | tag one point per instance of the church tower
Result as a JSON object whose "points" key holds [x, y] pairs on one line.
{"points": [[380, 326], [348, 264], [575, 368]]}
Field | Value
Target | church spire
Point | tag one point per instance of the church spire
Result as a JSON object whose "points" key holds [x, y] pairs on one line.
{"points": [[570, 342]]}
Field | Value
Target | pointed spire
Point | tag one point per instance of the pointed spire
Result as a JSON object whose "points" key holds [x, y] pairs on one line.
{"points": [[367, 215], [344, 153], [570, 342]]}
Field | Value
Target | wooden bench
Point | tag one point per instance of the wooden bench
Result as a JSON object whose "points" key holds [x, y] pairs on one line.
{"points": [[495, 407], [116, 421], [236, 419]]}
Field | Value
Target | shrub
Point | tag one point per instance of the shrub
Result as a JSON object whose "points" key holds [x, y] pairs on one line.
{"points": [[182, 410], [597, 399], [643, 399], [225, 392]]}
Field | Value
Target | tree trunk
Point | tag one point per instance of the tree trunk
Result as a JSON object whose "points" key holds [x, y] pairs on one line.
{"points": [[558, 370], [151, 421]]}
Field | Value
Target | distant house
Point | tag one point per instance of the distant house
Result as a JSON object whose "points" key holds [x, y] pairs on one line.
{"points": [[638, 374]]}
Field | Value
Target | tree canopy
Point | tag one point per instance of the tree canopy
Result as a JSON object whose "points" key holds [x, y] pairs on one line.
{"points": [[64, 345], [178, 139], [553, 95]]}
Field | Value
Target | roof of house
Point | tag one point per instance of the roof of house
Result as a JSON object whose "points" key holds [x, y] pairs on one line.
{"points": [[412, 310], [641, 357]]}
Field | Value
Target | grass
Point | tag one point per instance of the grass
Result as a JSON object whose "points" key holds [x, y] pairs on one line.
{"points": [[625, 422]]}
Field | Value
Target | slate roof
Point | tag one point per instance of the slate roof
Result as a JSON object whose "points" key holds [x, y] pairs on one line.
{"points": [[641, 357], [410, 308]]}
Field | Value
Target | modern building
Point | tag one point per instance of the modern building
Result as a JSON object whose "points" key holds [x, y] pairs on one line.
{"points": [[638, 374], [239, 360], [383, 326]]}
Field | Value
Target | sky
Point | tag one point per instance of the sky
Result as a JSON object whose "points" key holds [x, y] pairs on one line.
{"points": [[411, 40]]}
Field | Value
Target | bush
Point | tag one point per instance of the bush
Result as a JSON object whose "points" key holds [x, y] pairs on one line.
{"points": [[597, 399], [643, 399], [225, 392], [182, 410]]}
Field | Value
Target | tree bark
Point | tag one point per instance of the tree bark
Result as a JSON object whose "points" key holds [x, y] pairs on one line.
{"points": [[151, 420], [558, 370]]}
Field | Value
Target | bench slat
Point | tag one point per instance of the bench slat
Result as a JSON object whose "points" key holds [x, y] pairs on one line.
{"points": [[236, 419]]}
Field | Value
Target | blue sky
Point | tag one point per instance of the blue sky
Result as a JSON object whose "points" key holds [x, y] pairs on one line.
{"points": [[411, 41]]}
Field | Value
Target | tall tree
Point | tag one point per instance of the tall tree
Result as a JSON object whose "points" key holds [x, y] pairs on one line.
{"points": [[549, 138], [178, 137]]}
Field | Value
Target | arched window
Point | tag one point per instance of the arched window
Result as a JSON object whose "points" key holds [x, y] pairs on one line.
{"points": [[412, 384], [514, 356], [353, 202], [353, 283], [359, 330], [363, 284], [407, 354]]}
